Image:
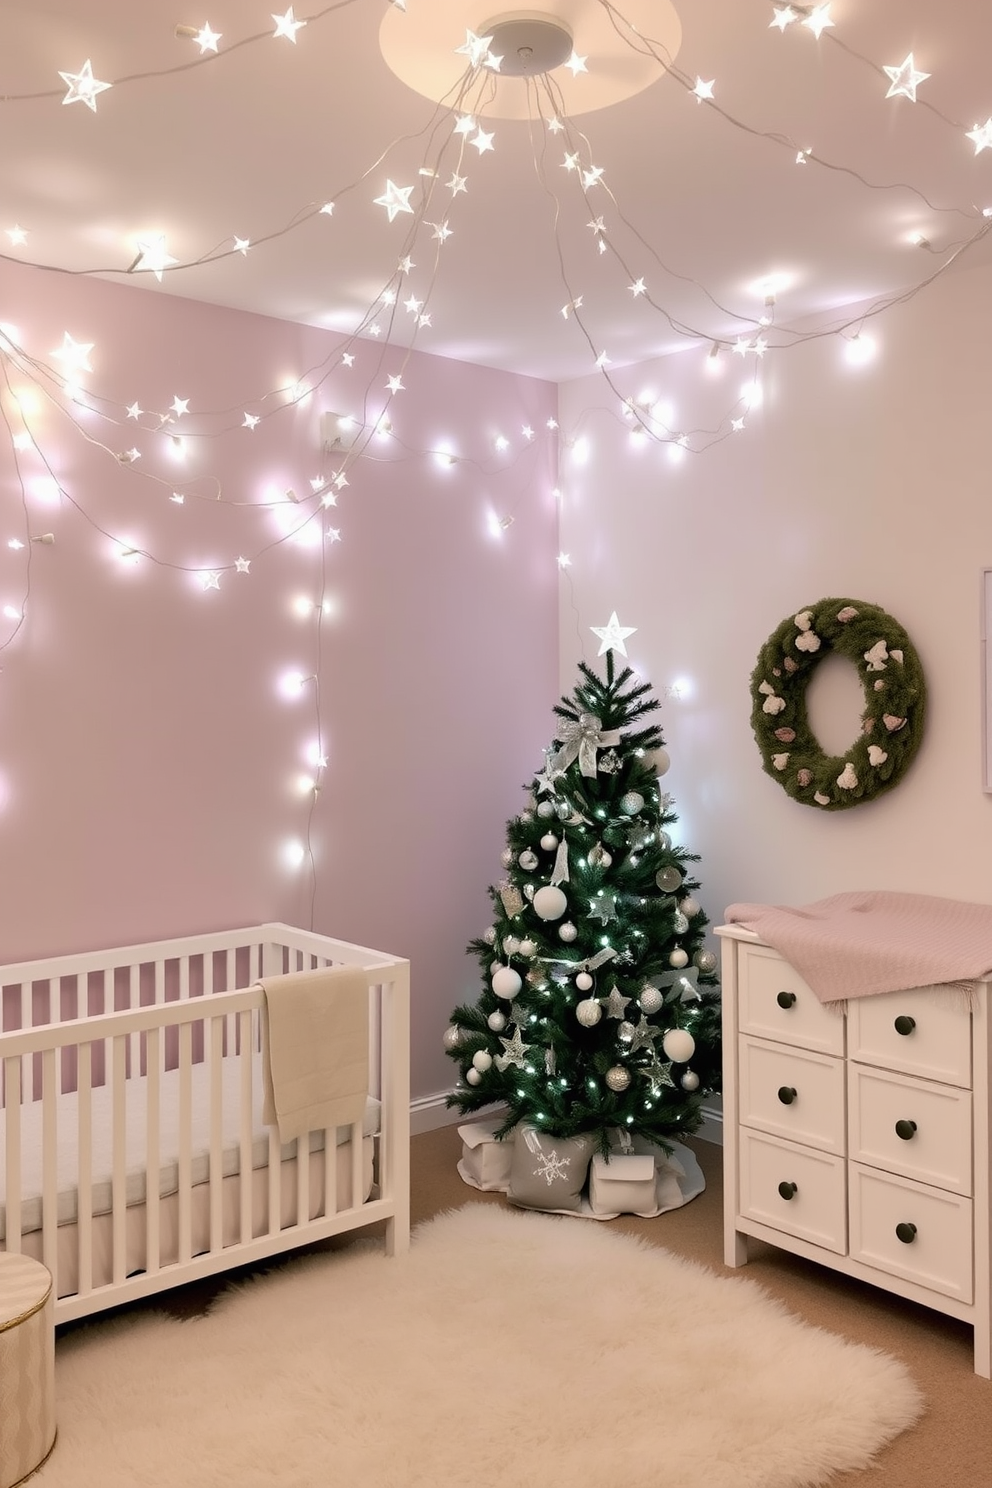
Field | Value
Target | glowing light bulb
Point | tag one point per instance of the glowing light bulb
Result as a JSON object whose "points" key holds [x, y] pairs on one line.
{"points": [[751, 394], [22, 441], [11, 613], [501, 443], [293, 853], [860, 349], [291, 684], [314, 755], [305, 784]]}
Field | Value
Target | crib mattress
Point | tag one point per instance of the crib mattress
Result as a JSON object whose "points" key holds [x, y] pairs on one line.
{"points": [[136, 1113]]}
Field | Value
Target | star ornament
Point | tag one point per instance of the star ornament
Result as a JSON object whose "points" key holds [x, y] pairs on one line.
{"points": [[613, 635], [207, 40], [83, 86], [395, 199], [475, 49], [904, 79], [152, 254], [784, 16], [818, 20], [74, 355], [703, 90]]}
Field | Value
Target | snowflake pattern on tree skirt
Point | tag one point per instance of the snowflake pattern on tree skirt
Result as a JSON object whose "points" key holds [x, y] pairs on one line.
{"points": [[551, 1167]]}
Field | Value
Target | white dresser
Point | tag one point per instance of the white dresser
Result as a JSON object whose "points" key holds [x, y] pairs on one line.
{"points": [[859, 1138]]}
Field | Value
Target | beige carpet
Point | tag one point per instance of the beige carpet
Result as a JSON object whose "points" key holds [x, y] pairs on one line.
{"points": [[508, 1348]]}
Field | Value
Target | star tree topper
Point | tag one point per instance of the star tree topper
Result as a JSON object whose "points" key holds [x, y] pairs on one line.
{"points": [[613, 635]]}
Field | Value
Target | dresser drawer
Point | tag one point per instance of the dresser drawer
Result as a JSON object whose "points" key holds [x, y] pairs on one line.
{"points": [[921, 1032], [922, 1234], [774, 1002], [792, 1093], [917, 1128], [794, 1189]]}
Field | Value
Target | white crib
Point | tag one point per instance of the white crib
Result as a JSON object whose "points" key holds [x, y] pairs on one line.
{"points": [[119, 1065]]}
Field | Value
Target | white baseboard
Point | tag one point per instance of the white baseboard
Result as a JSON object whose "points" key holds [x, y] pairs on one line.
{"points": [[429, 1113]]}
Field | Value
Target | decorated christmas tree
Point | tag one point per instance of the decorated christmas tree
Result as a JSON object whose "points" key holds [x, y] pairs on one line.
{"points": [[600, 1010]]}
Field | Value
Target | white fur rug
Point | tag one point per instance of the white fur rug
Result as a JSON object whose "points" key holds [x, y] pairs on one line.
{"points": [[507, 1348]]}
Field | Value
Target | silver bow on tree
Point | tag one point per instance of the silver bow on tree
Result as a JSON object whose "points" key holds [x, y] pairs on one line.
{"points": [[591, 963], [580, 740]]}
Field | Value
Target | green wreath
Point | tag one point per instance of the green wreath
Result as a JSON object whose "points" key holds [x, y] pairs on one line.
{"points": [[891, 724]]}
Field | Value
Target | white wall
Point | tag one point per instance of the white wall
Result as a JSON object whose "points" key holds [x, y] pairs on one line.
{"points": [[873, 483]]}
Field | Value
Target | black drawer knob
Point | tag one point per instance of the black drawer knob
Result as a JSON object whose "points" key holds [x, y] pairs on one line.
{"points": [[906, 1232], [787, 1094], [904, 1024], [788, 1190], [906, 1130], [786, 1000]]}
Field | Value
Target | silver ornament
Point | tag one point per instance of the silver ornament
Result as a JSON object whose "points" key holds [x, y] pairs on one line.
{"points": [[567, 931], [689, 906], [526, 816], [660, 760], [549, 842], [705, 960], [678, 958], [668, 878], [589, 1012], [631, 803], [528, 891], [497, 1021], [650, 999], [690, 1080], [625, 1032], [511, 945], [452, 1037], [546, 809], [489, 935], [528, 860], [617, 1078], [664, 841], [564, 811], [528, 947], [506, 856], [680, 925]]}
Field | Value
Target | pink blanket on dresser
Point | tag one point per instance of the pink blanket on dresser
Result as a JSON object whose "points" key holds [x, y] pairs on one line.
{"points": [[859, 944]]}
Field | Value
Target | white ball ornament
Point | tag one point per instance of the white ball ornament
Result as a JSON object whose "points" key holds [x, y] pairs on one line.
{"points": [[497, 1021], [545, 809], [690, 1080], [567, 931], [631, 803], [661, 761], [678, 957], [650, 1000], [679, 1045], [668, 879], [482, 1060], [511, 945], [617, 1078], [664, 841], [528, 947], [472, 1075], [583, 981], [489, 935], [705, 960], [550, 903], [506, 982], [549, 842], [589, 1012], [527, 860], [452, 1037], [689, 906]]}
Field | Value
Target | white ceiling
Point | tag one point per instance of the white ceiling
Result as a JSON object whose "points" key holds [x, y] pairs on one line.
{"points": [[699, 200]]}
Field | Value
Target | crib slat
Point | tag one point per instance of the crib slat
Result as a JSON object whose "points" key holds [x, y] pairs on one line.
{"points": [[84, 1188], [185, 1141], [331, 1171], [153, 1152], [216, 1170], [50, 1160], [246, 1045], [119, 1186], [12, 1150], [303, 1178]]}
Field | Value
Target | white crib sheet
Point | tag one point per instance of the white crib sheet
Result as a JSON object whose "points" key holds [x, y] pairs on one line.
{"points": [[136, 1110]]}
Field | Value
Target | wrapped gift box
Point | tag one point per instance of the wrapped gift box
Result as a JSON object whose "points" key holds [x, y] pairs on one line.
{"points": [[626, 1184], [485, 1163], [549, 1172]]}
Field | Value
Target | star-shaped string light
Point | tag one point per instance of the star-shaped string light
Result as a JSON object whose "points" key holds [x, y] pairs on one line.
{"points": [[210, 580], [395, 199], [74, 355], [241, 245], [250, 420], [784, 16], [637, 288], [287, 25], [818, 20], [17, 235], [475, 48], [83, 86], [482, 141], [464, 124], [613, 635], [456, 184], [904, 79], [981, 136], [440, 230], [395, 384], [576, 64], [179, 406], [134, 410], [592, 177], [347, 359], [242, 564], [703, 90], [207, 40], [153, 255]]}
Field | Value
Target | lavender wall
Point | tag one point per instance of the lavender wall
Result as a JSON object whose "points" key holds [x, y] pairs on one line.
{"points": [[149, 766]]}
